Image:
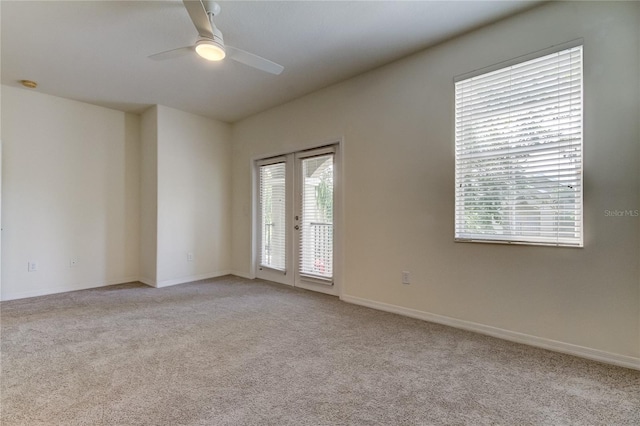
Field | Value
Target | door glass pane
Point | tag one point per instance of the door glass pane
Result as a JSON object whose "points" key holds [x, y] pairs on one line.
{"points": [[316, 222], [272, 214]]}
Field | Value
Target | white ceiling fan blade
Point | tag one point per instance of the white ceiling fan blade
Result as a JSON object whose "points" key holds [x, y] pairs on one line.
{"points": [[173, 53], [199, 17], [252, 60]]}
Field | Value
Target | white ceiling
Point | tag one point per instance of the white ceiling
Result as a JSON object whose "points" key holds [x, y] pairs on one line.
{"points": [[97, 51]]}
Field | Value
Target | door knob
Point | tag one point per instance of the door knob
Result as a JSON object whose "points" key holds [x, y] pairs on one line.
{"points": [[296, 227]]}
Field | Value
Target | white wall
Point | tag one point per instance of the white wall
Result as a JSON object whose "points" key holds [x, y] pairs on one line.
{"points": [[0, 167], [194, 197], [149, 196], [397, 123], [69, 190], [128, 196]]}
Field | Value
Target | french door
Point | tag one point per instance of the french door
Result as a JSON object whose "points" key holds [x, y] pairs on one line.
{"points": [[295, 238]]}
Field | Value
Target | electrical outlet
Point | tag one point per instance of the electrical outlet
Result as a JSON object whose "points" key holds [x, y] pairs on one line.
{"points": [[73, 262], [32, 266], [406, 277], [189, 257]]}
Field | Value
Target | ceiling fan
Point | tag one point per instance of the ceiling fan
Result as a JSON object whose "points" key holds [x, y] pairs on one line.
{"points": [[210, 44]]}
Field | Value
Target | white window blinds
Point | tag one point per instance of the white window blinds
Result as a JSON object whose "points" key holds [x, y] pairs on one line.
{"points": [[316, 222], [272, 216], [518, 152]]}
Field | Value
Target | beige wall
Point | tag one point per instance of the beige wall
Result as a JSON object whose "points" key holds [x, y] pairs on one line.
{"points": [[397, 123], [127, 196], [194, 197], [0, 168], [69, 190], [149, 196]]}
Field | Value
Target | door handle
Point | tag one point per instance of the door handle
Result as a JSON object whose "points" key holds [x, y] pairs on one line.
{"points": [[296, 227]]}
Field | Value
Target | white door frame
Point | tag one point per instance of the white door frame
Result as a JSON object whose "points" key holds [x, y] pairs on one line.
{"points": [[288, 277]]}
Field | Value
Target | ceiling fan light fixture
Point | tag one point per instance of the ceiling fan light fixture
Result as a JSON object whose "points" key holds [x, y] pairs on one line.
{"points": [[210, 50]]}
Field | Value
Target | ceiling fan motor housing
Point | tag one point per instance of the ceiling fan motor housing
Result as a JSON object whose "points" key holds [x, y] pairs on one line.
{"points": [[217, 36]]}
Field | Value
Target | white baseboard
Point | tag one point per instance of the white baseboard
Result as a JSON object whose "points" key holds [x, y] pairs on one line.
{"points": [[63, 289], [144, 280], [553, 345], [147, 281], [188, 279], [246, 275]]}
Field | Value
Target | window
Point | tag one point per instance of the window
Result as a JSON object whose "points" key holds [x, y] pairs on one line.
{"points": [[316, 220], [518, 152], [272, 216]]}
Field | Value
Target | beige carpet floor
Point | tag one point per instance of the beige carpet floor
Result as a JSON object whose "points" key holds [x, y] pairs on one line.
{"points": [[231, 351]]}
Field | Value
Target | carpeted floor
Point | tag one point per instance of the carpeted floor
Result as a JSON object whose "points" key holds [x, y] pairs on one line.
{"points": [[231, 351]]}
